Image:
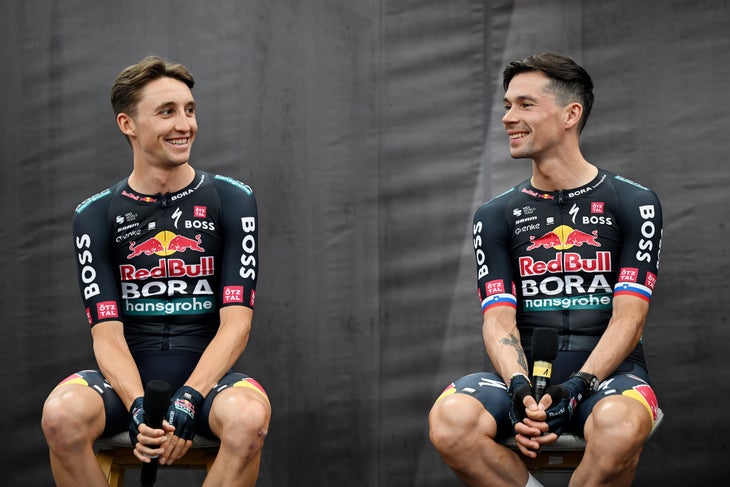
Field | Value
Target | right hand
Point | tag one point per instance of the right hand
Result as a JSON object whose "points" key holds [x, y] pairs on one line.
{"points": [[519, 389], [528, 417], [146, 441], [136, 411]]}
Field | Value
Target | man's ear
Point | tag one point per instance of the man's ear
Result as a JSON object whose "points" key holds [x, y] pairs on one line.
{"points": [[573, 113], [126, 124]]}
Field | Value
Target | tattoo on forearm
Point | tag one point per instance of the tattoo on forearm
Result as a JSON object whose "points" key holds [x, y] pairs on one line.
{"points": [[513, 342]]}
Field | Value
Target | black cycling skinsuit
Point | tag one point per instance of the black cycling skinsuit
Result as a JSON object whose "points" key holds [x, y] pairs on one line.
{"points": [[559, 257], [164, 265]]}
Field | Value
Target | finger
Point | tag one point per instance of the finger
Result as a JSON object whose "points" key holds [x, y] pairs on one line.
{"points": [[545, 401], [527, 452], [529, 402], [150, 432], [150, 443], [144, 453], [526, 446], [180, 449], [141, 457], [537, 414], [528, 429], [546, 439], [540, 426]]}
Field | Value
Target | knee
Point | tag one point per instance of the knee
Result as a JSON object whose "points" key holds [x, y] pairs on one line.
{"points": [[615, 434], [452, 420], [244, 420], [64, 425], [621, 421]]}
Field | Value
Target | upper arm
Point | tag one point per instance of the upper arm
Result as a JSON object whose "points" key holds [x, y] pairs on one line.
{"points": [[240, 256], [493, 258], [236, 316], [641, 229], [97, 281]]}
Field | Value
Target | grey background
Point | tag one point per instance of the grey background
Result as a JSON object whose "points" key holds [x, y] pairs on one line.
{"points": [[370, 133]]}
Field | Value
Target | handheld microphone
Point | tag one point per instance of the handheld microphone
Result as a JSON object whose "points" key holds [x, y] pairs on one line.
{"points": [[544, 351], [156, 401]]}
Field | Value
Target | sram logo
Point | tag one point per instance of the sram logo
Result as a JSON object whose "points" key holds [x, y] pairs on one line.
{"points": [[88, 273]]}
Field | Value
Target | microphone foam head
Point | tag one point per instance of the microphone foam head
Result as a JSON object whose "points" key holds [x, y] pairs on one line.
{"points": [[156, 398], [544, 344]]}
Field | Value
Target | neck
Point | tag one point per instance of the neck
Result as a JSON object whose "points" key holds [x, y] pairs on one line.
{"points": [[565, 171], [155, 180]]}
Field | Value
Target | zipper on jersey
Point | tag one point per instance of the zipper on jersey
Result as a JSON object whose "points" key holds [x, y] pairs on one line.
{"points": [[168, 322], [564, 320]]}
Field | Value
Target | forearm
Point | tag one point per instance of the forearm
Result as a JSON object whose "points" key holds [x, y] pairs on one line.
{"points": [[620, 338], [224, 350], [502, 342], [115, 361]]}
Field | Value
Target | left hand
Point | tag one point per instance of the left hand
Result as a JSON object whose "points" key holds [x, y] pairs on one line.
{"points": [[532, 433], [184, 404], [565, 398]]}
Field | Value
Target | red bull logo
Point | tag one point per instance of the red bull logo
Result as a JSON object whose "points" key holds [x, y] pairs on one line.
{"points": [[564, 237], [165, 243]]}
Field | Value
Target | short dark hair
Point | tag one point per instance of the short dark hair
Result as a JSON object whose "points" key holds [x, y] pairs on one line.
{"points": [[129, 83], [568, 81]]}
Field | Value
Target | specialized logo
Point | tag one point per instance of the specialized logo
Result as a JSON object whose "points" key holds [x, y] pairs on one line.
{"points": [[165, 243], [564, 237]]}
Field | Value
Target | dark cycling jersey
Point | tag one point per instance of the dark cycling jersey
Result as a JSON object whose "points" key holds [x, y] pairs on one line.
{"points": [[165, 264], [560, 257]]}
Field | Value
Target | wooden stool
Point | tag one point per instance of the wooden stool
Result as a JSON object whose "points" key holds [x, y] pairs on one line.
{"points": [[114, 455], [563, 455]]}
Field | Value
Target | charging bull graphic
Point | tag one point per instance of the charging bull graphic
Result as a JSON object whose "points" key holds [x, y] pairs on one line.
{"points": [[564, 237], [165, 243]]}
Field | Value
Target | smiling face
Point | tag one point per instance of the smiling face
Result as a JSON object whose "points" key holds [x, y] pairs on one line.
{"points": [[536, 124], [163, 128]]}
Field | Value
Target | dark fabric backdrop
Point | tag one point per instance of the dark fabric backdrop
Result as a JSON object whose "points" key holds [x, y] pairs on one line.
{"points": [[370, 132]]}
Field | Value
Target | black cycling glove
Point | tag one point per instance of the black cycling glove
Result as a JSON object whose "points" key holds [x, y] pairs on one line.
{"points": [[519, 388], [181, 413]]}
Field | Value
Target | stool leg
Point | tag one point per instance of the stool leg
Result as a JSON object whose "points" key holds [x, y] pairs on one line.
{"points": [[105, 462], [117, 477], [112, 472]]}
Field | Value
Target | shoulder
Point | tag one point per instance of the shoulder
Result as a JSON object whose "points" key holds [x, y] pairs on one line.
{"points": [[630, 192], [98, 202], [498, 205], [227, 184]]}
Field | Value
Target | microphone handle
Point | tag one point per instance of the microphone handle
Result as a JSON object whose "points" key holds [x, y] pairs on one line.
{"points": [[541, 384], [148, 475]]}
